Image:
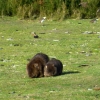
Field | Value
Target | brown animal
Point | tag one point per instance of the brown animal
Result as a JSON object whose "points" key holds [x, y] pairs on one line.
{"points": [[53, 67], [35, 67], [35, 35]]}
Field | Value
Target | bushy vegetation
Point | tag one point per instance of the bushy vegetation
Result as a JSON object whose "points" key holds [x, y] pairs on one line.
{"points": [[56, 9]]}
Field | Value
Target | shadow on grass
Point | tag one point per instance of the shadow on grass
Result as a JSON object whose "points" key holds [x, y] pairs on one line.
{"points": [[70, 72]]}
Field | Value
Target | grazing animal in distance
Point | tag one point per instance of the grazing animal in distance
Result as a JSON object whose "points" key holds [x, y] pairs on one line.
{"points": [[35, 35], [53, 67], [35, 67]]}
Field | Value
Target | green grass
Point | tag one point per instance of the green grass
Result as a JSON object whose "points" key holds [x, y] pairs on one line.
{"points": [[79, 53]]}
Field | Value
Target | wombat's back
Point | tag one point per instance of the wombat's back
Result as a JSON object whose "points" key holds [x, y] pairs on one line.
{"points": [[42, 56]]}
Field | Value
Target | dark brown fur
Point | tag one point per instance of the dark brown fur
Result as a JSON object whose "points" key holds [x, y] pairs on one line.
{"points": [[53, 67], [35, 68]]}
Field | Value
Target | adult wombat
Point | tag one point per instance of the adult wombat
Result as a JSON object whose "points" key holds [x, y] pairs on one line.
{"points": [[35, 67]]}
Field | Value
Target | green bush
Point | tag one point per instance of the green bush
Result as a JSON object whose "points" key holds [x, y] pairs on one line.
{"points": [[57, 9]]}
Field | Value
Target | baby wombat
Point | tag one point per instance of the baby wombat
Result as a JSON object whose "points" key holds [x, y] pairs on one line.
{"points": [[35, 67], [53, 67]]}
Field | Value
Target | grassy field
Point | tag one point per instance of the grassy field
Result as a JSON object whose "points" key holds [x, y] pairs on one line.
{"points": [[75, 42]]}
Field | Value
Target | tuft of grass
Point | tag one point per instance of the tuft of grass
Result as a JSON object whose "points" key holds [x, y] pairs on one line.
{"points": [[68, 41]]}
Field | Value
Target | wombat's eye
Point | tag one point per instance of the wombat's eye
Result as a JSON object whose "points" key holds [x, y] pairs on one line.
{"points": [[36, 65]]}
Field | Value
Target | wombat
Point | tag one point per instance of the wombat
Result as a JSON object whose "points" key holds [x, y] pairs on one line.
{"points": [[53, 67], [35, 67]]}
